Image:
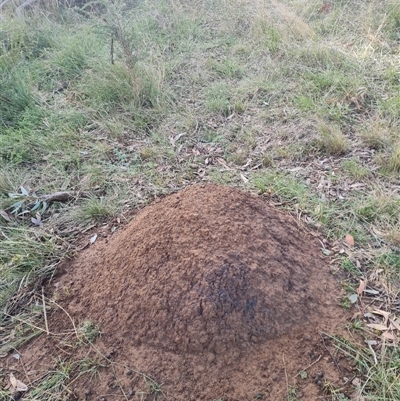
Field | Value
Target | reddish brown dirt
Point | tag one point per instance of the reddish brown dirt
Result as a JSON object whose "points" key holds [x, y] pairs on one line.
{"points": [[210, 291]]}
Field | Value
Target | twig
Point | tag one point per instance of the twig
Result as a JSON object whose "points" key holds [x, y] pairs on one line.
{"points": [[112, 50], [29, 324], [69, 316], [373, 352], [309, 366], [286, 376], [45, 313], [56, 196]]}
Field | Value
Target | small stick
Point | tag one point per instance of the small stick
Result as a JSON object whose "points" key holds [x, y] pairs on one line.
{"points": [[69, 317], [112, 50], [286, 376], [373, 352], [28, 323], [309, 366], [45, 313]]}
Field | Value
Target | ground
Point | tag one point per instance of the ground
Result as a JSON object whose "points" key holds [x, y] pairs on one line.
{"points": [[107, 108]]}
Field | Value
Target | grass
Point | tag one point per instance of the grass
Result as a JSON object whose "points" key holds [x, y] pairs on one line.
{"points": [[380, 377], [118, 105], [331, 139]]}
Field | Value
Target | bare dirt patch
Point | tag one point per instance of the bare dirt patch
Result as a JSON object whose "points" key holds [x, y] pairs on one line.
{"points": [[211, 292]]}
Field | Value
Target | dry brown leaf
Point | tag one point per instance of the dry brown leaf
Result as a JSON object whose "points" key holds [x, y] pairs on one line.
{"points": [[17, 385], [13, 380], [382, 313], [389, 336], [375, 326], [361, 287], [395, 324], [5, 216], [349, 240]]}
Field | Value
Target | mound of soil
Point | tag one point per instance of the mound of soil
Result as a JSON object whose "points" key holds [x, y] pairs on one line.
{"points": [[205, 289], [210, 269]]}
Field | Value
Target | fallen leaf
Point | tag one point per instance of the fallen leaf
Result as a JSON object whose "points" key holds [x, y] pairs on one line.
{"points": [[372, 292], [353, 298], [349, 240], [244, 178], [37, 221], [13, 380], [361, 287], [376, 326], [388, 336], [394, 324], [93, 239], [5, 216], [382, 313], [24, 191], [17, 385]]}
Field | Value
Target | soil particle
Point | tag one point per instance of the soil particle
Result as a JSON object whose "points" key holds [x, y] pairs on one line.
{"points": [[210, 291]]}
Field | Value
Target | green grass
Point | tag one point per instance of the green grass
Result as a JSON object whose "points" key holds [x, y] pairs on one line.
{"points": [[299, 104]]}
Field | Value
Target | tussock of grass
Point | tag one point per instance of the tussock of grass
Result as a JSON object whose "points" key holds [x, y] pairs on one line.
{"points": [[376, 136], [331, 139], [95, 209], [393, 164]]}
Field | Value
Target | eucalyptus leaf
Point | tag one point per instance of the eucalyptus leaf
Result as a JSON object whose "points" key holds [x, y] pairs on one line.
{"points": [[16, 206], [37, 221], [353, 298], [36, 206], [14, 195], [44, 207], [4, 215], [24, 191]]}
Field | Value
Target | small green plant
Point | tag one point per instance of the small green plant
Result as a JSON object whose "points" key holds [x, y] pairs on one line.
{"points": [[90, 366], [303, 374], [355, 169], [88, 332], [291, 393], [28, 202]]}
